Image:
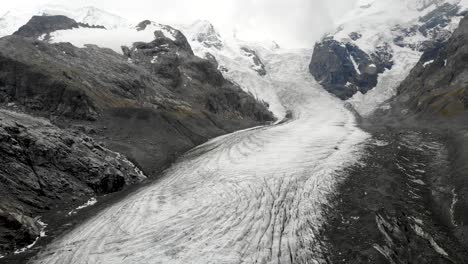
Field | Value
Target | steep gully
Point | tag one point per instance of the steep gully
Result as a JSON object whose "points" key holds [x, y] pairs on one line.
{"points": [[255, 196]]}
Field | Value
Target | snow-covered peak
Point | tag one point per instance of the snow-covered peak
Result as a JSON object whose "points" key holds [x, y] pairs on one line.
{"points": [[204, 33], [12, 20], [88, 15], [377, 16]]}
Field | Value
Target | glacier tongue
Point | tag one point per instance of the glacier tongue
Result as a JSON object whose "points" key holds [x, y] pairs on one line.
{"points": [[254, 196]]}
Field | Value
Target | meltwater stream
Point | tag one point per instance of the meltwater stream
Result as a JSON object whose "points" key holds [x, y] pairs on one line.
{"points": [[254, 196]]}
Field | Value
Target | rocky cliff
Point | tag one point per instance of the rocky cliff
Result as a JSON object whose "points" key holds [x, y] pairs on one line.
{"points": [[43, 167]]}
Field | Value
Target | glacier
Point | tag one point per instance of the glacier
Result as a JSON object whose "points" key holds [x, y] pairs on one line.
{"points": [[254, 196]]}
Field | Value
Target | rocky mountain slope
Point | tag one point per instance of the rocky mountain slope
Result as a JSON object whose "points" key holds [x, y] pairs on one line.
{"points": [[44, 167], [437, 84], [377, 44], [151, 101]]}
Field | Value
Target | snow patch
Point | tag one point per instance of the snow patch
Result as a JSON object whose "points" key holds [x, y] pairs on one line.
{"points": [[89, 203], [420, 232], [356, 66], [41, 234], [452, 206], [420, 182], [427, 63]]}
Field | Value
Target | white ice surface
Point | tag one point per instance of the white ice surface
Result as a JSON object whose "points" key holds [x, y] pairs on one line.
{"points": [[89, 203], [254, 196]]}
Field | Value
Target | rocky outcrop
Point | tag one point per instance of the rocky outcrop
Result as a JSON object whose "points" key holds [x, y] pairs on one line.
{"points": [[257, 64], [43, 167], [44, 25], [343, 68]]}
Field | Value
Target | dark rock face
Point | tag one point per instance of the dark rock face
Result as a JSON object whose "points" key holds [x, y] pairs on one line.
{"points": [[143, 24], [44, 166], [44, 25], [333, 62], [257, 64], [344, 69]]}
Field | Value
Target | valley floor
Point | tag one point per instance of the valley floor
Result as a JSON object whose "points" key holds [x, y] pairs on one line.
{"points": [[255, 196]]}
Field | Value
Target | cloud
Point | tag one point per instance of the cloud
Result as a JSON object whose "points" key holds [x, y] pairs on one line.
{"points": [[293, 23]]}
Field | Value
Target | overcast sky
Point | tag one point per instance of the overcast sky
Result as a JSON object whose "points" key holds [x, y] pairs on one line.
{"points": [[293, 23]]}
